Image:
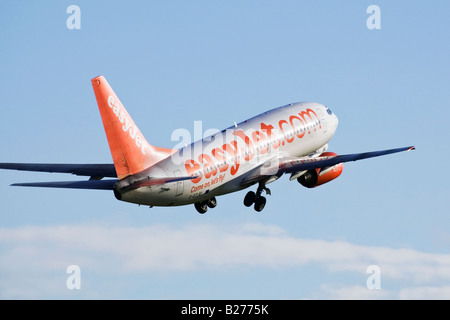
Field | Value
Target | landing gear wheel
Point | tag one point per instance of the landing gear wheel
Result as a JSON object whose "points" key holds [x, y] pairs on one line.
{"points": [[201, 207], [249, 198], [260, 203], [212, 203]]}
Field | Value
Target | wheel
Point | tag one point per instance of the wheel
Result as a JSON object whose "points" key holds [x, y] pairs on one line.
{"points": [[201, 207], [212, 203], [249, 198], [260, 203]]}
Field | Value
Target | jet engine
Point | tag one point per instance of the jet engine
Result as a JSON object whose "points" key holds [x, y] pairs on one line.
{"points": [[316, 177]]}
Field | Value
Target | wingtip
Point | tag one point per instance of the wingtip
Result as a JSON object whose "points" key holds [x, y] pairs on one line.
{"points": [[411, 149], [17, 185]]}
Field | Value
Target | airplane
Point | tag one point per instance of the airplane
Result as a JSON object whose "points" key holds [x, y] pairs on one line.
{"points": [[292, 139]]}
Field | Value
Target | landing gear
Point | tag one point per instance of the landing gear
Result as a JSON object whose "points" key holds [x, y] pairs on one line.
{"points": [[212, 203], [260, 203], [202, 207], [256, 198], [249, 199]]}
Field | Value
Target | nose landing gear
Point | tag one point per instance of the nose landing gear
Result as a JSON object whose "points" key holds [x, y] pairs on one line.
{"points": [[256, 199]]}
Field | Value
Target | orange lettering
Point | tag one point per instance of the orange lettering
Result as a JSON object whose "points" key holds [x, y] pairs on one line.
{"points": [[231, 149], [291, 120], [247, 155], [208, 169], [308, 113], [219, 155], [280, 123], [268, 129], [191, 168], [258, 136]]}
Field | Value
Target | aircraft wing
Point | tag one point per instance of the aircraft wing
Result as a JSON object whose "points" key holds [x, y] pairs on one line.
{"points": [[95, 171], [107, 184], [89, 184], [292, 164]]}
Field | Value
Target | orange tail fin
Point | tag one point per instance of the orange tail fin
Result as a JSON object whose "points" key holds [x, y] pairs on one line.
{"points": [[130, 151]]}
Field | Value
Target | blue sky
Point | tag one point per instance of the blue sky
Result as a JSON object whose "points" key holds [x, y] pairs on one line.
{"points": [[176, 62]]}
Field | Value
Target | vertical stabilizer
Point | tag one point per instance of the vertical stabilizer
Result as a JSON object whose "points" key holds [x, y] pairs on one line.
{"points": [[130, 150]]}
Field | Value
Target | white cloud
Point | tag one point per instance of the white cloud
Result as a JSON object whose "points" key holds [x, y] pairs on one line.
{"points": [[420, 293], [355, 292], [42, 252], [339, 292]]}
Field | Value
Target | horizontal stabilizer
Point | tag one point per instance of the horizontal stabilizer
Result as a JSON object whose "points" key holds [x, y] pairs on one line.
{"points": [[151, 182], [90, 170], [90, 184]]}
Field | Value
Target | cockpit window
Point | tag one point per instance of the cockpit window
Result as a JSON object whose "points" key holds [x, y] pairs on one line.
{"points": [[329, 111]]}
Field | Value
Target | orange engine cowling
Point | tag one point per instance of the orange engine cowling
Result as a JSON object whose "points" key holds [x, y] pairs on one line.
{"points": [[316, 177]]}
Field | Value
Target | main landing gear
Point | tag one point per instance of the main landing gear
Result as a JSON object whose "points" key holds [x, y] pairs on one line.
{"points": [[256, 198], [202, 207]]}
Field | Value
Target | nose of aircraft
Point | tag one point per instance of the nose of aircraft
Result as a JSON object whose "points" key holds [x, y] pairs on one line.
{"points": [[335, 120]]}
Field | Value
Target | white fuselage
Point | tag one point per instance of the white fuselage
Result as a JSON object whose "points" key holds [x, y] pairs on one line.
{"points": [[220, 163]]}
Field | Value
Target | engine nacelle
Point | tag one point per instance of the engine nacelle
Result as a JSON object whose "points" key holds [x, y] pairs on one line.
{"points": [[316, 177]]}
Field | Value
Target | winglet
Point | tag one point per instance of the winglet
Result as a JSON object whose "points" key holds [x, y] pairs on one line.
{"points": [[130, 150]]}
